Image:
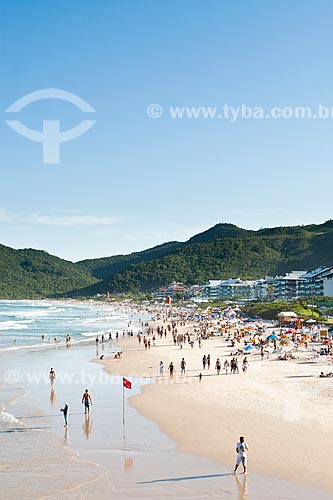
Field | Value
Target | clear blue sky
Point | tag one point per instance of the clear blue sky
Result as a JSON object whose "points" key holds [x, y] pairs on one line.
{"points": [[132, 181]]}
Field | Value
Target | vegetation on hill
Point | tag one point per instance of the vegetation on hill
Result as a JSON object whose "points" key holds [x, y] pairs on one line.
{"points": [[30, 274], [252, 256], [272, 309], [224, 251], [195, 264], [219, 231], [104, 267]]}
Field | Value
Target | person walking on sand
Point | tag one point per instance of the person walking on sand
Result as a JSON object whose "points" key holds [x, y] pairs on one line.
{"points": [[86, 400], [218, 366], [208, 361], [65, 413], [241, 449], [161, 368], [245, 365], [183, 366], [204, 362], [236, 369], [171, 369], [226, 366]]}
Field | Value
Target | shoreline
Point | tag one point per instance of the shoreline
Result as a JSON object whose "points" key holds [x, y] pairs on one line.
{"points": [[286, 434], [16, 328]]}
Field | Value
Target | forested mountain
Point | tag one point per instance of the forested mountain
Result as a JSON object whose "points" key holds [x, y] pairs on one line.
{"points": [[106, 266], [28, 273], [222, 251], [248, 257]]}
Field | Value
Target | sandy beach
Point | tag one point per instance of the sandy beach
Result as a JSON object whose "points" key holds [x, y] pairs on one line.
{"points": [[281, 407]]}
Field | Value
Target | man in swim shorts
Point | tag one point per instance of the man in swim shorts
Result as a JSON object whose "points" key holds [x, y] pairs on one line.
{"points": [[86, 400], [241, 449]]}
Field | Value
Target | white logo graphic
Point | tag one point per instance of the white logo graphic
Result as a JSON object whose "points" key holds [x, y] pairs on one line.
{"points": [[51, 137]]}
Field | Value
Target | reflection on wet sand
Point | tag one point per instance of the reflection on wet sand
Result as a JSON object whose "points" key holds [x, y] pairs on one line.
{"points": [[128, 462], [53, 397], [87, 426], [242, 487]]}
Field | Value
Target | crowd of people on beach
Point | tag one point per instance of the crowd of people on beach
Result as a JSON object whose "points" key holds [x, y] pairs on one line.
{"points": [[243, 338], [185, 330]]}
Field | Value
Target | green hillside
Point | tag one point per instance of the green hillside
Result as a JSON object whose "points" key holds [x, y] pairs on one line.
{"points": [[218, 232], [222, 251], [26, 274], [251, 255], [105, 267]]}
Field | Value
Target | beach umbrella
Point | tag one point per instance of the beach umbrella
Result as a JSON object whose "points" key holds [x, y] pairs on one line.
{"points": [[273, 337], [311, 321], [248, 348], [290, 330]]}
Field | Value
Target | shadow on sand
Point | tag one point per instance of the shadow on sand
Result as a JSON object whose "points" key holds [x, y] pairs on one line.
{"points": [[188, 478]]}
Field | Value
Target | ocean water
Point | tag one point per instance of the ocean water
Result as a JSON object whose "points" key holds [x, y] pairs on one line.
{"points": [[23, 323]]}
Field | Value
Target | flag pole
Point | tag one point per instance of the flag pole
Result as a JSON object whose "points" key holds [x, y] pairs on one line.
{"points": [[123, 403], [124, 438], [128, 385]]}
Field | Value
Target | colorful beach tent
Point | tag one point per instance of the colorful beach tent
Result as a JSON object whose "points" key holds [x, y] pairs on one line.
{"points": [[273, 337]]}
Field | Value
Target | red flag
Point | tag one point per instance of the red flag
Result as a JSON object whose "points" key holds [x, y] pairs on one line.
{"points": [[127, 383]]}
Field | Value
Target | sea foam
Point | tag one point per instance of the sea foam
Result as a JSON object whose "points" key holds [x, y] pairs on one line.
{"points": [[7, 418]]}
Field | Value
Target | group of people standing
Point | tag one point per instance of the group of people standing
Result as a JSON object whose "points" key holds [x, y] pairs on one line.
{"points": [[233, 366]]}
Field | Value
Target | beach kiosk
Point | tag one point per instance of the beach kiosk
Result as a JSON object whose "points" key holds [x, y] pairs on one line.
{"points": [[323, 332], [285, 318]]}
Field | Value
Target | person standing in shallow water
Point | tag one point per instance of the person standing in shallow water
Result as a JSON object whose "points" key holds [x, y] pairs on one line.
{"points": [[86, 400], [65, 413], [52, 376]]}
